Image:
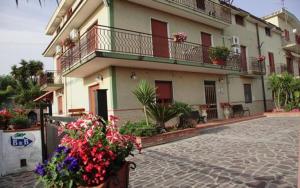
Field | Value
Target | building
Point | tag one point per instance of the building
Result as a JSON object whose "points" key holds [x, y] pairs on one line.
{"points": [[102, 49]]}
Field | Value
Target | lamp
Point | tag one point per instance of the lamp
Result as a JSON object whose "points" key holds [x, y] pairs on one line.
{"points": [[295, 31], [221, 79], [99, 77], [133, 76]]}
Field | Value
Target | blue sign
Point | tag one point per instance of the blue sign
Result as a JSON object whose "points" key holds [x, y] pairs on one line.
{"points": [[21, 140]]}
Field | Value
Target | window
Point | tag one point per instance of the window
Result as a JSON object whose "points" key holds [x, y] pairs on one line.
{"points": [[248, 93], [60, 105], [268, 31], [239, 20], [287, 35], [200, 4], [271, 62], [164, 92], [290, 66], [297, 39]]}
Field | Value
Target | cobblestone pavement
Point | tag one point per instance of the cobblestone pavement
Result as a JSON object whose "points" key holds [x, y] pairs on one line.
{"points": [[260, 153]]}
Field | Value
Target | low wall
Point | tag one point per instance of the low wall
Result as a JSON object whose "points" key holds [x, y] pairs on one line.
{"points": [[20, 150]]}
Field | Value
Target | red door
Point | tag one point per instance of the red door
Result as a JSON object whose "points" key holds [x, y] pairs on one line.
{"points": [[206, 44], [60, 105], [92, 98], [271, 62], [160, 38], [244, 59]]}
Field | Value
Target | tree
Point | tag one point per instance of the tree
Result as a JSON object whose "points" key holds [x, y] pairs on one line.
{"points": [[7, 89], [27, 72], [26, 76], [145, 93]]}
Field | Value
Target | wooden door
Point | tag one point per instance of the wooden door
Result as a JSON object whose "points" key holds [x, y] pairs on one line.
{"points": [[92, 98], [60, 105], [164, 92], [211, 99], [206, 44], [160, 38], [244, 66], [271, 62]]}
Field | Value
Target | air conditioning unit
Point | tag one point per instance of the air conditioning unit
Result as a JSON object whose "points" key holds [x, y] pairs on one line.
{"points": [[235, 41], [74, 35], [236, 50], [58, 50]]}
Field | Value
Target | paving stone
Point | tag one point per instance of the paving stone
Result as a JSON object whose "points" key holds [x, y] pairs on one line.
{"points": [[260, 153]]}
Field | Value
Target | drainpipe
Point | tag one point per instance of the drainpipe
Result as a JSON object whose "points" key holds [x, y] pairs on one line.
{"points": [[262, 76]]}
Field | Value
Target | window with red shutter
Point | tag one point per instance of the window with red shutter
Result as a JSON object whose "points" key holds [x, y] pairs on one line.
{"points": [[164, 92], [298, 39], [60, 105], [271, 62], [287, 35]]}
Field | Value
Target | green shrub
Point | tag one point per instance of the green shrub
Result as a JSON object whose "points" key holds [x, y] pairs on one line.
{"points": [[138, 129], [19, 121], [182, 108]]}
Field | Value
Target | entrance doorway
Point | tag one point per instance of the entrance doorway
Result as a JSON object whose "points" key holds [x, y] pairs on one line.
{"points": [[211, 99]]}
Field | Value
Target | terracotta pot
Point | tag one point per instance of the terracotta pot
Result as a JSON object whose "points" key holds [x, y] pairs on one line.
{"points": [[218, 62], [119, 180]]}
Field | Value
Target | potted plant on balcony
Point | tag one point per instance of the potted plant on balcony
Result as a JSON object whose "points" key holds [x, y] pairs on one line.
{"points": [[179, 37], [219, 54], [261, 59], [91, 154], [226, 109]]}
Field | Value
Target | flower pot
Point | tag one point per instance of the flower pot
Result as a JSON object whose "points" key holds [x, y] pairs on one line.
{"points": [[117, 180], [226, 112], [204, 114], [218, 62]]}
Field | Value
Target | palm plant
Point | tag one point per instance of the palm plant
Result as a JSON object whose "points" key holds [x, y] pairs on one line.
{"points": [[161, 113], [276, 87], [145, 93]]}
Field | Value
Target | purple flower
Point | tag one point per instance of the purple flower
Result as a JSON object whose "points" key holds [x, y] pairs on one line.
{"points": [[60, 149], [40, 170], [59, 167], [72, 164]]}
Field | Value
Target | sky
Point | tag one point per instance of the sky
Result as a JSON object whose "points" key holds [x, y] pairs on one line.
{"points": [[22, 28]]}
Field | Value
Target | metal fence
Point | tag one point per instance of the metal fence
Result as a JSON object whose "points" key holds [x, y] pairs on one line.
{"points": [[108, 39]]}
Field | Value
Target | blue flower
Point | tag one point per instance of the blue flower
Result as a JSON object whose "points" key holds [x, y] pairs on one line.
{"points": [[72, 164], [40, 170], [60, 149]]}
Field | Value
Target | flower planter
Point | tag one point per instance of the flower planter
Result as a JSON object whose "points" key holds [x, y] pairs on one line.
{"points": [[118, 180], [218, 62], [226, 112]]}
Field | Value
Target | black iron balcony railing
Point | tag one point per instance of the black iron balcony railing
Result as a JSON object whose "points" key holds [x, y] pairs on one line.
{"points": [[127, 42], [255, 66], [50, 77], [206, 7]]}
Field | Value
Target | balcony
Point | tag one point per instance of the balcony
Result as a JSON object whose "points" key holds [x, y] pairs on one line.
{"points": [[292, 44], [50, 81], [254, 67], [110, 44], [206, 11]]}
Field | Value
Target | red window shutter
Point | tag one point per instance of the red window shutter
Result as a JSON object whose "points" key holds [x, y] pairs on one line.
{"points": [[160, 38], [287, 35], [92, 98], [298, 39], [271, 61], [164, 91], [58, 65]]}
